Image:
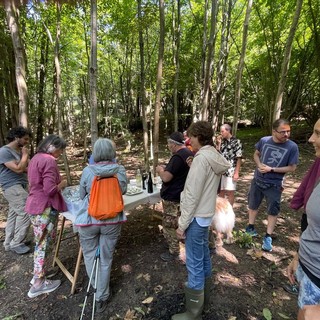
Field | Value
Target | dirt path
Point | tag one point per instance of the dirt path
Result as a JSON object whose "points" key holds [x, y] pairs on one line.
{"points": [[144, 287]]}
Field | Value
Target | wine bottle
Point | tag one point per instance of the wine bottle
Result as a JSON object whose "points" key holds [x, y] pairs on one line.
{"points": [[139, 179], [150, 183]]}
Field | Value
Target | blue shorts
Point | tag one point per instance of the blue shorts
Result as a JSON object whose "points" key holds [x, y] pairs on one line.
{"points": [[271, 192], [309, 293]]}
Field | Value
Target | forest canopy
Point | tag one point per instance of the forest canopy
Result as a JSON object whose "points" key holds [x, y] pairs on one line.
{"points": [[47, 68]]}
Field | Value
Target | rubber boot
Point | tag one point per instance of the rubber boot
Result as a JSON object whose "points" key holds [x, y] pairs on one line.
{"points": [[207, 289], [194, 305]]}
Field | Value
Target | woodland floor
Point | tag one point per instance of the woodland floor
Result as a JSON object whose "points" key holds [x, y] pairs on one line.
{"points": [[145, 287]]}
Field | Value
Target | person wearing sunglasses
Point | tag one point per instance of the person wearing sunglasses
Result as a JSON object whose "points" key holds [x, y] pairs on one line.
{"points": [[274, 156]]}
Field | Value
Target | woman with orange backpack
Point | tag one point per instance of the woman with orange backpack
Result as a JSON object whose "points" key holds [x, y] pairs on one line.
{"points": [[100, 233]]}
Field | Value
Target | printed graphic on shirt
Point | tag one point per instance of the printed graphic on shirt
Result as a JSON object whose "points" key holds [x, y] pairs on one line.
{"points": [[273, 155]]}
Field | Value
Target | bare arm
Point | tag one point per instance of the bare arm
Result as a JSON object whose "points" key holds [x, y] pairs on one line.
{"points": [[292, 267], [237, 170], [21, 166], [309, 312], [165, 176], [264, 168]]}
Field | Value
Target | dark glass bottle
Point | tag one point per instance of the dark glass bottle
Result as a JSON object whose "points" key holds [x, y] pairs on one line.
{"points": [[150, 183]]}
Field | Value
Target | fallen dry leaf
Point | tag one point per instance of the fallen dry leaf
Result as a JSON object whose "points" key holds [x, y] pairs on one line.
{"points": [[130, 314], [148, 300], [255, 254]]}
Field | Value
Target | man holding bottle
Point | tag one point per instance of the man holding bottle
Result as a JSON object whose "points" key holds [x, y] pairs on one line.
{"points": [[173, 176]]}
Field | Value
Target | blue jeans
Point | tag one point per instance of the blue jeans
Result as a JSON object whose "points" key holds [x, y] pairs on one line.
{"points": [[198, 261]]}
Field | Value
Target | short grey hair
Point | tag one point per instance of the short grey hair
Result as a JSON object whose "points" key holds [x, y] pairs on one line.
{"points": [[227, 127], [103, 150]]}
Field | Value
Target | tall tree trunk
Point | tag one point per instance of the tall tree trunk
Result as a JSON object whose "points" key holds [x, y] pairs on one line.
{"points": [[222, 65], [240, 67], [59, 88], [209, 62], [176, 51], [158, 86], [286, 61], [93, 73], [204, 49], [20, 60], [41, 87], [3, 117], [142, 91]]}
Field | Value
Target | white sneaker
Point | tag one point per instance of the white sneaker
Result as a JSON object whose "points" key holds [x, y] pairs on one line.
{"points": [[45, 287]]}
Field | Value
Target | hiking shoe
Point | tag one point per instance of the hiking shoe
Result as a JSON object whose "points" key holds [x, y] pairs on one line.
{"points": [[167, 256], [101, 305], [267, 244], [46, 287], [291, 288], [251, 231], [20, 249]]}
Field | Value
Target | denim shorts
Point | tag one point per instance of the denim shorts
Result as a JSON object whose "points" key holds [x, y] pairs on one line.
{"points": [[309, 293], [271, 192]]}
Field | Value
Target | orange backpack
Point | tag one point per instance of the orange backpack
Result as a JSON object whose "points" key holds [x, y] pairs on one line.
{"points": [[106, 200]]}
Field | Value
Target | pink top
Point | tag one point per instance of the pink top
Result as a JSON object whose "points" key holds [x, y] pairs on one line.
{"points": [[301, 196], [44, 177]]}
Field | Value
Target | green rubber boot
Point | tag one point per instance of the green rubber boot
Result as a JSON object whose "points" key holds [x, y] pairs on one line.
{"points": [[194, 305]]}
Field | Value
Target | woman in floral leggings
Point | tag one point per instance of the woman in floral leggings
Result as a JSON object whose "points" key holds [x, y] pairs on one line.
{"points": [[43, 204]]}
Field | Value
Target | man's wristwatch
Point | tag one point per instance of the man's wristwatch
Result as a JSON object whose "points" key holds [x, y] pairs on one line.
{"points": [[272, 170]]}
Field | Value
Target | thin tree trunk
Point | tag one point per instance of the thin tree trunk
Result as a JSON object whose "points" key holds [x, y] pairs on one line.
{"points": [[286, 61], [93, 73], [209, 62], [41, 87], [176, 30], [222, 64], [240, 67], [59, 88], [20, 60], [142, 92], [204, 49], [158, 87]]}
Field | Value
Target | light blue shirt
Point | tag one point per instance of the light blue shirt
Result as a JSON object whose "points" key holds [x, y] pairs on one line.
{"points": [[204, 222]]}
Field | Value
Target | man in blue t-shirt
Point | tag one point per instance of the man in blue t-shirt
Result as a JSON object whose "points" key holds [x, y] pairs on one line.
{"points": [[173, 176], [274, 156]]}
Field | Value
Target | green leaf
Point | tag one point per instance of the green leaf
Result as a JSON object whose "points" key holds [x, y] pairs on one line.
{"points": [[267, 313], [139, 310]]}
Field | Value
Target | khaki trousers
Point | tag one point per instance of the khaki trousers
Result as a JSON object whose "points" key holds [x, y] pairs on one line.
{"points": [[18, 221]]}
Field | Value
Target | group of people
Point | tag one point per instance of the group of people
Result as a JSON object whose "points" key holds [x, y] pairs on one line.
{"points": [[274, 155], [194, 176], [33, 191]]}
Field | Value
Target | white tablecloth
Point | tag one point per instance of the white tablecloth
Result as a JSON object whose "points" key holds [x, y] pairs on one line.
{"points": [[72, 199]]}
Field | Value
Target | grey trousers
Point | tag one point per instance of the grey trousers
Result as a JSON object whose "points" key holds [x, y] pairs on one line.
{"points": [[18, 220], [105, 236]]}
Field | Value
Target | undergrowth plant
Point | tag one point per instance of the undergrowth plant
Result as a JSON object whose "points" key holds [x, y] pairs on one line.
{"points": [[243, 239]]}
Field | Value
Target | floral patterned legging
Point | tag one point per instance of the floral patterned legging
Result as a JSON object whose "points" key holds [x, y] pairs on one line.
{"points": [[44, 229]]}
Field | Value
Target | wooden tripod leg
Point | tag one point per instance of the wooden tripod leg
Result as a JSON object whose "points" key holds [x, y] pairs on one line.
{"points": [[56, 253], [76, 271]]}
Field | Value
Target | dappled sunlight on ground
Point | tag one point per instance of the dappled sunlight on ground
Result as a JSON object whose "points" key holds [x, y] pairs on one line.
{"points": [[223, 252]]}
